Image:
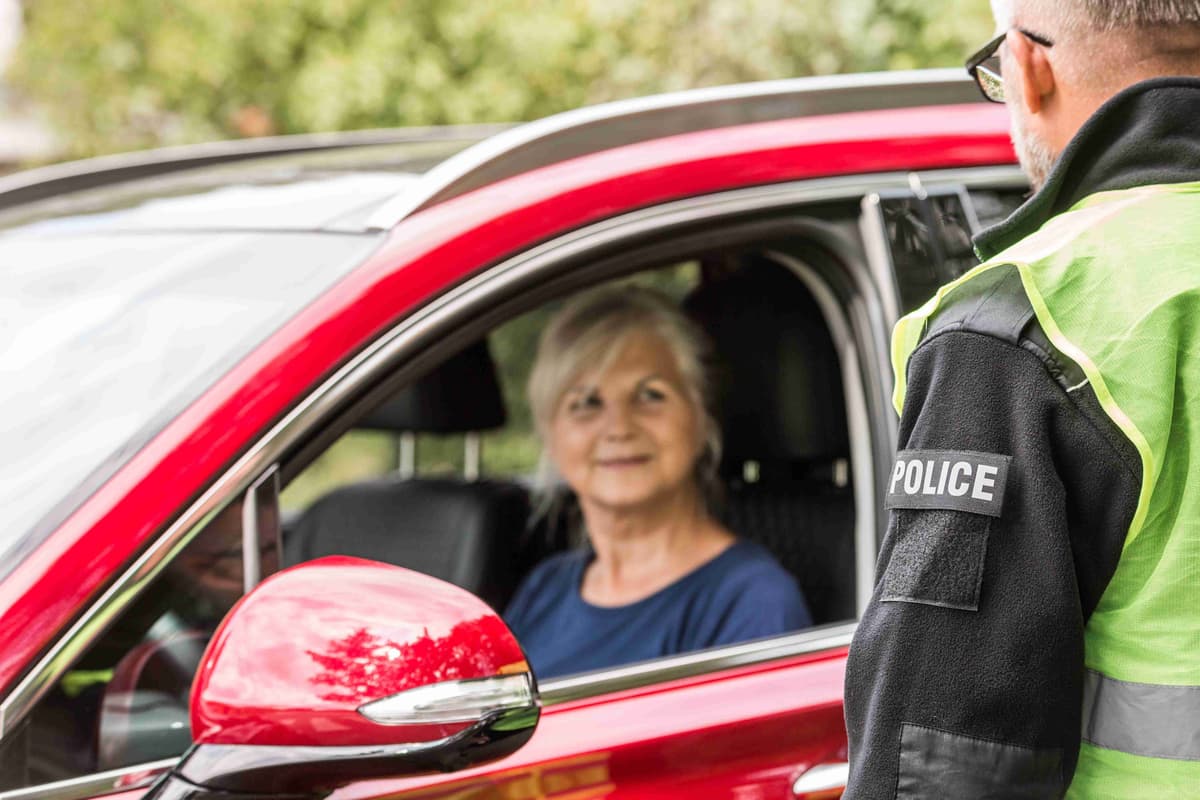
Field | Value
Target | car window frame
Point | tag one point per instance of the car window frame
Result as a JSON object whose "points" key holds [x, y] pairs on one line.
{"points": [[260, 504], [403, 349]]}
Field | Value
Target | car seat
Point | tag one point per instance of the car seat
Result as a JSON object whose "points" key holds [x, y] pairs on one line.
{"points": [[782, 413], [467, 532]]}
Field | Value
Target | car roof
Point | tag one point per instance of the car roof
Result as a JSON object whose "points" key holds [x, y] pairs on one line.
{"points": [[372, 180], [323, 181]]}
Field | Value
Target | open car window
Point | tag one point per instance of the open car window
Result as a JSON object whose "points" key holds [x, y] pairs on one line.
{"points": [[442, 477]]}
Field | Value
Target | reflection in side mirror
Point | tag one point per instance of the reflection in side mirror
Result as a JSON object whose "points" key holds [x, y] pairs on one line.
{"points": [[341, 670]]}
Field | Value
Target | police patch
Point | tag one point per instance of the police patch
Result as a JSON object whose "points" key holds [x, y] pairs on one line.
{"points": [[952, 480]]}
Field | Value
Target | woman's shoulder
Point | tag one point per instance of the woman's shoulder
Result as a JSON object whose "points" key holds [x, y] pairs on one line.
{"points": [[749, 595], [753, 578], [551, 579]]}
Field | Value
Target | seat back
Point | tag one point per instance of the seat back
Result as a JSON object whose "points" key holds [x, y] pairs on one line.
{"points": [[783, 420], [467, 533], [462, 531]]}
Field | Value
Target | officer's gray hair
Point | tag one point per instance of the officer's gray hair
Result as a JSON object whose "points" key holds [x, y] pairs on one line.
{"points": [[1078, 17]]}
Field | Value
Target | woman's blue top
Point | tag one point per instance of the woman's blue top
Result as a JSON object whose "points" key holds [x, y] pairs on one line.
{"points": [[741, 594]]}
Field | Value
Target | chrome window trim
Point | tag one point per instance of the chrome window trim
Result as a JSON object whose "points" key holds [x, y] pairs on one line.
{"points": [[875, 245], [1003, 176], [398, 343], [252, 537], [95, 785], [691, 665]]}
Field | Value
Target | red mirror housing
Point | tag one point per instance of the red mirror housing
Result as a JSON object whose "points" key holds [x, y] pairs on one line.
{"points": [[343, 669]]}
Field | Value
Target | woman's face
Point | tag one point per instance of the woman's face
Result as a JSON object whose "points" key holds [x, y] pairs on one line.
{"points": [[628, 437]]}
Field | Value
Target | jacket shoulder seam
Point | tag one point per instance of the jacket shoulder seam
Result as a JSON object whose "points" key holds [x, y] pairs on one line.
{"points": [[955, 328]]}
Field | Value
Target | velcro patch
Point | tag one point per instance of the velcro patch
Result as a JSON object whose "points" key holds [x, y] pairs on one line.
{"points": [[949, 479]]}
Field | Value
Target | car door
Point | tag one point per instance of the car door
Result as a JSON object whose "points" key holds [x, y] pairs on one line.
{"points": [[760, 719], [733, 731], [763, 719], [782, 696]]}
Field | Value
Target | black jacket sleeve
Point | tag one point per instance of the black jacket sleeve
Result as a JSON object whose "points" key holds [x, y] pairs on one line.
{"points": [[965, 675]]}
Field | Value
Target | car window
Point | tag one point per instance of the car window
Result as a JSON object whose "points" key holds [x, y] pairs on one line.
{"points": [[487, 534], [125, 702], [108, 336], [510, 451]]}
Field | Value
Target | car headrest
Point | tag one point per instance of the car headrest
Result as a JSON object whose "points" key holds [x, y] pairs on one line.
{"points": [[779, 384], [460, 395], [464, 532]]}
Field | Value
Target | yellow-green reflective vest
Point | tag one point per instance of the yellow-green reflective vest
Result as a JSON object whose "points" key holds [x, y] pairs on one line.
{"points": [[1115, 284]]}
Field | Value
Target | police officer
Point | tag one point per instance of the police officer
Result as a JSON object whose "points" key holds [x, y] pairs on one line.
{"points": [[1035, 623]]}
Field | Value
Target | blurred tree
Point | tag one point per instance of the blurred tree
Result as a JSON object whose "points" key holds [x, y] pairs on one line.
{"points": [[140, 73]]}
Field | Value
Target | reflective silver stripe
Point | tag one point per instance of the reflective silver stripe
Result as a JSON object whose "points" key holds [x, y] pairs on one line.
{"points": [[1142, 719]]}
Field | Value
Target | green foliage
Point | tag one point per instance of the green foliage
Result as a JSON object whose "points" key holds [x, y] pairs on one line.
{"points": [[357, 456], [139, 73]]}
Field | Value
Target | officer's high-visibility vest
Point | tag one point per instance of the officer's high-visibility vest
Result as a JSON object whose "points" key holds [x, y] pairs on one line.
{"points": [[1115, 284]]}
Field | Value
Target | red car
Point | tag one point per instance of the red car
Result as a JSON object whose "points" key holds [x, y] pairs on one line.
{"points": [[187, 333]]}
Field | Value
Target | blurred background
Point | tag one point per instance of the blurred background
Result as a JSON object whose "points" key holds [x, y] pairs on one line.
{"points": [[81, 78], [86, 77]]}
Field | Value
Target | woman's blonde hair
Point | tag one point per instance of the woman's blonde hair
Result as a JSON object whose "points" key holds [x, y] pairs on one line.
{"points": [[588, 333]]}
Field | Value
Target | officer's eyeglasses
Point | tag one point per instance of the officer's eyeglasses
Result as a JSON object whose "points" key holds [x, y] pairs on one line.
{"points": [[984, 66]]}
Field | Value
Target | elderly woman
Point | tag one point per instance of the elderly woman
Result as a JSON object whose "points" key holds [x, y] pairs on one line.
{"points": [[621, 400]]}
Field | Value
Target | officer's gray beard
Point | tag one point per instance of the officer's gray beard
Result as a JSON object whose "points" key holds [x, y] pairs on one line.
{"points": [[1036, 157]]}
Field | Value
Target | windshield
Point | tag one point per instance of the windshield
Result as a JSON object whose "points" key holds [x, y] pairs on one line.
{"points": [[105, 337]]}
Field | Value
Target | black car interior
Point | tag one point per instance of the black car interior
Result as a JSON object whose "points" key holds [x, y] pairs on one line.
{"points": [[786, 459], [467, 532], [784, 462], [784, 423]]}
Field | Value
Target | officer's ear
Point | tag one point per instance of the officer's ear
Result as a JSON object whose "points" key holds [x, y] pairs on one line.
{"points": [[1034, 72]]}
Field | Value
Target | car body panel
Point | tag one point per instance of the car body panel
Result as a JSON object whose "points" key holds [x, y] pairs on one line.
{"points": [[739, 731], [420, 258]]}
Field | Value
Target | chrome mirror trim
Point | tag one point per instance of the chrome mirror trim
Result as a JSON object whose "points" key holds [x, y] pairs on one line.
{"points": [[454, 701]]}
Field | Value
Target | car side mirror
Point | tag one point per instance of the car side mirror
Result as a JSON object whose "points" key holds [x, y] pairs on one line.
{"points": [[340, 670]]}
